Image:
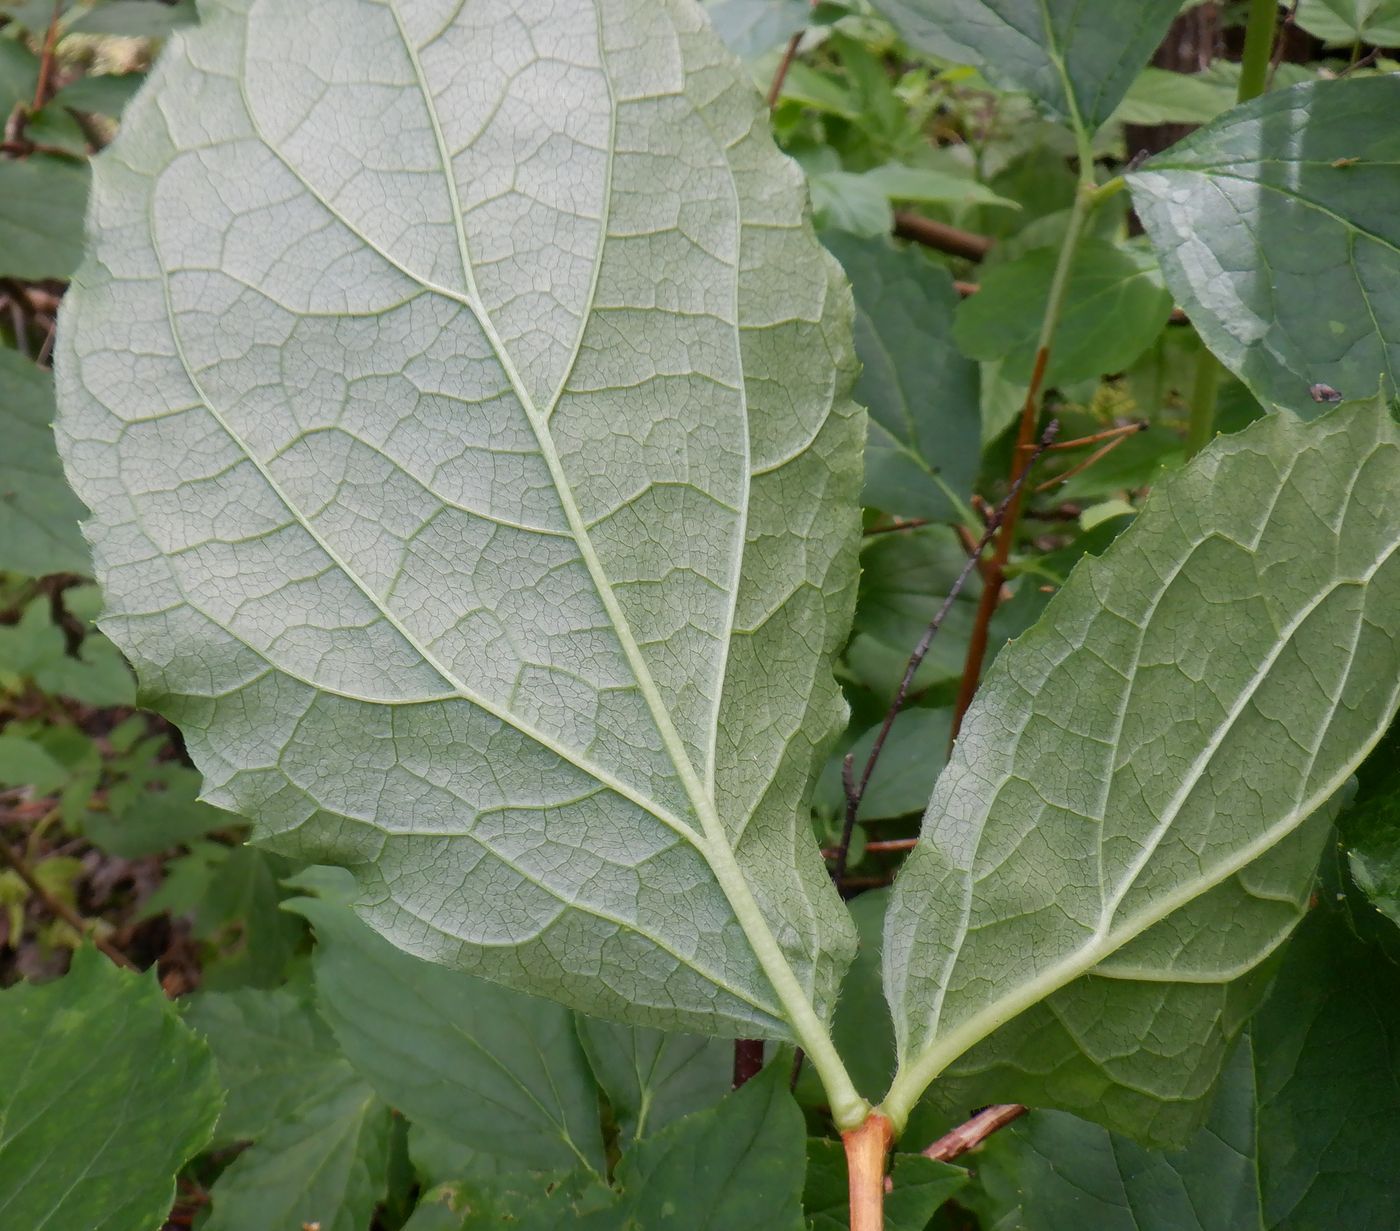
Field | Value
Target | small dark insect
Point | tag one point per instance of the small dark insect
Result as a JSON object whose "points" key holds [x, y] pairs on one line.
{"points": [[1324, 393]]}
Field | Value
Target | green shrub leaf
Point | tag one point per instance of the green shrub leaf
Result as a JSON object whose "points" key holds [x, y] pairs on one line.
{"points": [[38, 512], [1275, 231], [923, 395], [42, 199], [477, 487], [1076, 57], [496, 1071], [1120, 835], [104, 1096]]}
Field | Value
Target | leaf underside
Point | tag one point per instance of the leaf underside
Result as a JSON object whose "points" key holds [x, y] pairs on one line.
{"points": [[462, 400], [1123, 831]]}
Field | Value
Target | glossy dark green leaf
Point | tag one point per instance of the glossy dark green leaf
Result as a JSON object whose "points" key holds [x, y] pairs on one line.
{"points": [[922, 394], [499, 1071], [1371, 829], [104, 1095], [1114, 309], [42, 202], [39, 514], [1076, 57], [920, 1186], [650, 1077], [1276, 233], [1304, 1133], [913, 754]]}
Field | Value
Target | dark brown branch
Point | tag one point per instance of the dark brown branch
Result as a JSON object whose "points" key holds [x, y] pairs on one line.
{"points": [[748, 1060], [972, 1134], [952, 240], [775, 91], [57, 907], [855, 790]]}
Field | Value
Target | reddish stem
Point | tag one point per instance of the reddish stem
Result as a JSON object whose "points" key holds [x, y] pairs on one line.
{"points": [[866, 1150]]}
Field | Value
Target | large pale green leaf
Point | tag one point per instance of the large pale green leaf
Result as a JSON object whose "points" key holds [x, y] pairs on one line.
{"points": [[104, 1096], [1119, 839], [923, 396], [38, 512], [1076, 57], [1276, 233], [1304, 1134], [465, 418], [497, 1071]]}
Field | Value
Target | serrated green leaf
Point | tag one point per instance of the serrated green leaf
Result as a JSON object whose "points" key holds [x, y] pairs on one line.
{"points": [[1275, 233], [495, 1070], [920, 1186], [1122, 835], [42, 200], [526, 612], [738, 1165], [324, 1166], [652, 1078], [275, 1057], [1304, 1133], [1347, 22], [104, 1096], [38, 512], [1114, 309], [922, 394], [1075, 57]]}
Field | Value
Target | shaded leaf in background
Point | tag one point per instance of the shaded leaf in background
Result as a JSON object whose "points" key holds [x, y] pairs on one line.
{"points": [[923, 396], [651, 1078], [1114, 309], [275, 1057], [1276, 233], [527, 614], [106, 93], [1347, 22], [1076, 57], [42, 202], [19, 74], [1160, 96], [752, 27], [495, 1070], [921, 1185], [1304, 1133], [909, 764], [134, 18], [39, 514], [1371, 829], [738, 1165], [36, 649], [104, 1096], [1123, 833], [325, 1166]]}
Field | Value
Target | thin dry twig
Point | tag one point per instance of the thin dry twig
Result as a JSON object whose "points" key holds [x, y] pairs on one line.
{"points": [[855, 790], [46, 59], [940, 236], [57, 907], [775, 91], [972, 1134]]}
